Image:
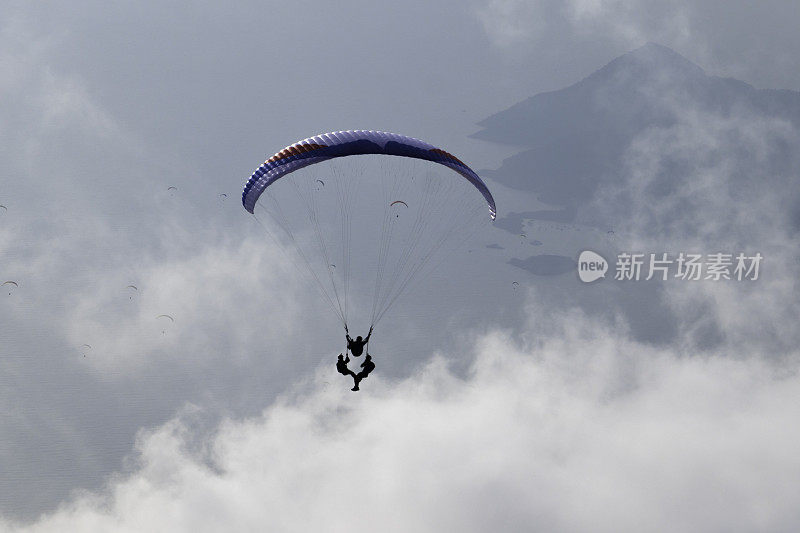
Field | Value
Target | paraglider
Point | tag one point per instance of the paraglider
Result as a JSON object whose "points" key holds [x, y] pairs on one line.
{"points": [[10, 284], [85, 346], [356, 346], [319, 227], [401, 202], [134, 288], [172, 188], [166, 317], [368, 366], [341, 366]]}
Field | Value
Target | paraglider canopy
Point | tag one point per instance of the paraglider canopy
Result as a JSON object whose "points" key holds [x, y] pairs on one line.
{"points": [[349, 226], [164, 331], [10, 283], [354, 142]]}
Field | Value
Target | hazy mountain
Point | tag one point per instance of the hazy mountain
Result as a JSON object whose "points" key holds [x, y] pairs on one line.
{"points": [[649, 154], [574, 138]]}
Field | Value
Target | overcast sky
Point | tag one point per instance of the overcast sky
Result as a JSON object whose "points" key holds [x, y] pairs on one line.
{"points": [[552, 406]]}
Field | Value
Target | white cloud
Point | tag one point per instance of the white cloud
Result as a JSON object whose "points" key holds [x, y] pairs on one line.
{"points": [[47, 113], [718, 167], [510, 23], [631, 22], [507, 22], [710, 182], [583, 430], [223, 299], [707, 31]]}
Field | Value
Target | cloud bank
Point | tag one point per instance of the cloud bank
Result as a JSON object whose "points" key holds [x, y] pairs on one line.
{"points": [[580, 429], [736, 38]]}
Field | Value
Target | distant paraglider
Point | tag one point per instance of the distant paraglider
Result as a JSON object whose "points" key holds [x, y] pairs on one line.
{"points": [[85, 348], [401, 202], [133, 287], [163, 331], [10, 284]]}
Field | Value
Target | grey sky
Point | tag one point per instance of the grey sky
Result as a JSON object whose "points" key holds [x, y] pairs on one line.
{"points": [[553, 406]]}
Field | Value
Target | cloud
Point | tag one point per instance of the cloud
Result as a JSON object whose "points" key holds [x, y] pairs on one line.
{"points": [[88, 214], [48, 114], [708, 182], [632, 22], [507, 22], [510, 23], [708, 31], [579, 429], [208, 293], [703, 164]]}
